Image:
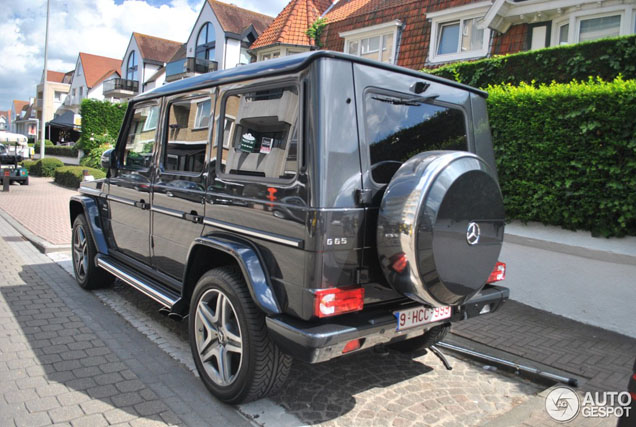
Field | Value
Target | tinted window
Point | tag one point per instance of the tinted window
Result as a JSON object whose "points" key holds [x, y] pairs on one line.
{"points": [[141, 138], [397, 128], [259, 133], [187, 135]]}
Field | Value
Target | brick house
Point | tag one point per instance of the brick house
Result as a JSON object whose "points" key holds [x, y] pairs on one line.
{"points": [[429, 33]]}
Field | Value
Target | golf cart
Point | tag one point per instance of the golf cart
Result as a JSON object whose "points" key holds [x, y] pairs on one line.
{"points": [[11, 155]]}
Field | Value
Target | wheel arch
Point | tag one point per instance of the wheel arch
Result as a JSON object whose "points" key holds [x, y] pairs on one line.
{"points": [[211, 252], [88, 206]]}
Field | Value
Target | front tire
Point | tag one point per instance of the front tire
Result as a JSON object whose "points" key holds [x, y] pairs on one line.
{"points": [[232, 351], [87, 274]]}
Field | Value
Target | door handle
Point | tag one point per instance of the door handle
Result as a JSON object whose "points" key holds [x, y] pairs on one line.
{"points": [[194, 217], [141, 204]]}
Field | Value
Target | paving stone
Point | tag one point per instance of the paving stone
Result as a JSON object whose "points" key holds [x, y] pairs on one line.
{"points": [[32, 420], [94, 420], [102, 391], [42, 404], [65, 413], [150, 408], [120, 415], [95, 406], [72, 398]]}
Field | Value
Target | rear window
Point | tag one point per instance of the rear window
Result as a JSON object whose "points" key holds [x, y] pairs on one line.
{"points": [[400, 126]]}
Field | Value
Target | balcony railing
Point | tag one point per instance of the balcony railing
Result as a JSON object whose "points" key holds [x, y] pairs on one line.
{"points": [[187, 67], [119, 87]]}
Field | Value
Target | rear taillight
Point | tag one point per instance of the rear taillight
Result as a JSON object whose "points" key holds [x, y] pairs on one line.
{"points": [[334, 301], [498, 273]]}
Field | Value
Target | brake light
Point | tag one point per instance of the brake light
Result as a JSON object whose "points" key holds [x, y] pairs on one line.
{"points": [[334, 301], [498, 273]]}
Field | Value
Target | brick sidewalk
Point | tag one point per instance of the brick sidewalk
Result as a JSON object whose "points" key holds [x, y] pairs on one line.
{"points": [[41, 207], [65, 359], [600, 358]]}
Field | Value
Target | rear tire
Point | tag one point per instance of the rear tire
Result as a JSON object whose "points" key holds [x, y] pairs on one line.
{"points": [[230, 345], [430, 338], [87, 274]]}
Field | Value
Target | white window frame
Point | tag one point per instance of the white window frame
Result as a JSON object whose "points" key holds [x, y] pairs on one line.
{"points": [[269, 54], [626, 12], [380, 30], [449, 16], [147, 124], [198, 116]]}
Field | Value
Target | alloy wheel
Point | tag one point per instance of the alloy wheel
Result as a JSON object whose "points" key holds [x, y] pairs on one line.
{"points": [[218, 337], [80, 252]]}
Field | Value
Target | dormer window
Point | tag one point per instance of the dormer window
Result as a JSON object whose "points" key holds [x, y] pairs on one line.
{"points": [[206, 42], [132, 67]]}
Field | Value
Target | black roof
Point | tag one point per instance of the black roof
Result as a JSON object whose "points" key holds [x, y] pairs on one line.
{"points": [[282, 65]]}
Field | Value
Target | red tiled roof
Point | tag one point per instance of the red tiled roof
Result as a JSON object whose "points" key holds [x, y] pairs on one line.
{"points": [[235, 19], [18, 106], [96, 67], [291, 24], [54, 76], [155, 48], [107, 75]]}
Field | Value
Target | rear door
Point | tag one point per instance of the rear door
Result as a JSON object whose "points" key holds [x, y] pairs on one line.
{"points": [[400, 116], [129, 189], [179, 186]]}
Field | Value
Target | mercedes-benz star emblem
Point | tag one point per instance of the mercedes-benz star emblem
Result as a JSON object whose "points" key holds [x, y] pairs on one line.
{"points": [[472, 233]]}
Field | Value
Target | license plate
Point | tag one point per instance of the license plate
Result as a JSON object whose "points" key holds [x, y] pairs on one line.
{"points": [[417, 316]]}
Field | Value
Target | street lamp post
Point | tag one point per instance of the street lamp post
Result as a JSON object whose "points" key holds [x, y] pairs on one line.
{"points": [[46, 48]]}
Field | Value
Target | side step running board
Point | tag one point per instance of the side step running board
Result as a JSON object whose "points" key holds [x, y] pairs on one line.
{"points": [[143, 284]]}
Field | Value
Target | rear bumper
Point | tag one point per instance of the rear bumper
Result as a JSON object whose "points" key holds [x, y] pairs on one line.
{"points": [[315, 342]]}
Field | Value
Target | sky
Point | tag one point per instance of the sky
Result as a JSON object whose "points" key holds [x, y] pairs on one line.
{"points": [[100, 27]]}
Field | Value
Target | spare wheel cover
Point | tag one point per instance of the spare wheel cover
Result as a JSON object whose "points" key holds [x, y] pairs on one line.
{"points": [[443, 214]]}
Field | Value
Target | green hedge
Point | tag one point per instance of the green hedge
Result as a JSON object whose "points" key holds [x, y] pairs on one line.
{"points": [[28, 164], [99, 118], [58, 150], [45, 167], [566, 154], [605, 58], [72, 176]]}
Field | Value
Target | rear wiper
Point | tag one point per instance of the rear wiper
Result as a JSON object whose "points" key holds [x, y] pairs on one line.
{"points": [[412, 101]]}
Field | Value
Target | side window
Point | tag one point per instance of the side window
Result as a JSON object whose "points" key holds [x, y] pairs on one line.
{"points": [[187, 135], [399, 127], [259, 133], [140, 139]]}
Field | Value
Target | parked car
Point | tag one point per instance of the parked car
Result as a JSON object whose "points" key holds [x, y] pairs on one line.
{"points": [[10, 161], [337, 204]]}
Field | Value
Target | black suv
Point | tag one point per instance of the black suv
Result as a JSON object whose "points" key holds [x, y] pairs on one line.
{"points": [[304, 207]]}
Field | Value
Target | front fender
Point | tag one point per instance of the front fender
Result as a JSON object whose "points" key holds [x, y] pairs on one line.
{"points": [[251, 265], [88, 206]]}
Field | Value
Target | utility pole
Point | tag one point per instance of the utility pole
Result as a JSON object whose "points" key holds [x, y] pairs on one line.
{"points": [[46, 51]]}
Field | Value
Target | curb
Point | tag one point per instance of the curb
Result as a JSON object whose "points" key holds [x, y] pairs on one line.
{"points": [[581, 251], [41, 244]]}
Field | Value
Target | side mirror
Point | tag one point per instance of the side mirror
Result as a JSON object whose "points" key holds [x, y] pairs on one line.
{"points": [[108, 158]]}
